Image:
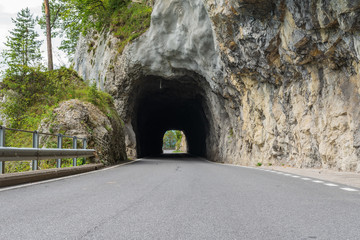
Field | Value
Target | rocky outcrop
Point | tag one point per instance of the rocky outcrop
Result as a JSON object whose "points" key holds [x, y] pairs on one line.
{"points": [[85, 120], [278, 79], [183, 145]]}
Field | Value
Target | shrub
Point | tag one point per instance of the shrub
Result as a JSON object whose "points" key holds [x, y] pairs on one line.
{"points": [[32, 97]]}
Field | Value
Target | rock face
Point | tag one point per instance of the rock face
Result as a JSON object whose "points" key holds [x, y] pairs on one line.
{"points": [[183, 145], [82, 119], [94, 57], [278, 80]]}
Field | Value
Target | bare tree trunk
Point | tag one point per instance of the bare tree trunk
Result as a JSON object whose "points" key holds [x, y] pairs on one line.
{"points": [[48, 35]]}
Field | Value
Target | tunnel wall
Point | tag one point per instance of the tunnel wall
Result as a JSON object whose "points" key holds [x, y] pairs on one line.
{"points": [[280, 79]]}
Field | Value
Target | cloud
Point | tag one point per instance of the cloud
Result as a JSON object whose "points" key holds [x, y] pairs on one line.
{"points": [[14, 6], [5, 25], [10, 10]]}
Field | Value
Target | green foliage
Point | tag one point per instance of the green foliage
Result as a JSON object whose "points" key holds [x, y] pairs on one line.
{"points": [[70, 18], [81, 161], [23, 48], [129, 22], [172, 139], [231, 132], [34, 92], [259, 164], [96, 13], [32, 98], [179, 135], [17, 167], [94, 94], [169, 140], [65, 22]]}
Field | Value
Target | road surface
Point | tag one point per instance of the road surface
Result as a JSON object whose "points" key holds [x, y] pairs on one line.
{"points": [[180, 197]]}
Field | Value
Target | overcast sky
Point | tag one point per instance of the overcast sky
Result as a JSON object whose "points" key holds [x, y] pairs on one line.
{"points": [[9, 9]]}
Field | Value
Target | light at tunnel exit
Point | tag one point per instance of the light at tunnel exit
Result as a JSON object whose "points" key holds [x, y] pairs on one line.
{"points": [[174, 141]]}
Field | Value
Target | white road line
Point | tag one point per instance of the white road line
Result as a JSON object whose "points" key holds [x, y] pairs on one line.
{"points": [[318, 181], [349, 189], [294, 176], [331, 184], [62, 178]]}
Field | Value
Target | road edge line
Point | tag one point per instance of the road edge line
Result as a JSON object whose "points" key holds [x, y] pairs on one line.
{"points": [[66, 177]]}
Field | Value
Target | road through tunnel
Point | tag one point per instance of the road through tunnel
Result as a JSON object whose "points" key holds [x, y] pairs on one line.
{"points": [[163, 104]]}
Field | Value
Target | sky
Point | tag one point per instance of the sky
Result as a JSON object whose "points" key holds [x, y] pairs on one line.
{"points": [[9, 9]]}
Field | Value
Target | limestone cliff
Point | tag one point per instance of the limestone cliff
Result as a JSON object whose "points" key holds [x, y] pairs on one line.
{"points": [[83, 119], [279, 79]]}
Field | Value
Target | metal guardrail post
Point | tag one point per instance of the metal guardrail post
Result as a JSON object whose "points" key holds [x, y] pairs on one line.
{"points": [[74, 147], [2, 144], [84, 147], [35, 145], [35, 154], [59, 145]]}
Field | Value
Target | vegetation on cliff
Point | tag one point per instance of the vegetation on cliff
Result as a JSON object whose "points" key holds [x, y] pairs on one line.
{"points": [[70, 18], [32, 97], [129, 22], [31, 93]]}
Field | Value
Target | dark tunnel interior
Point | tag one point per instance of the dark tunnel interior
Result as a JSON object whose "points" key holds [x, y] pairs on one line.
{"points": [[161, 105]]}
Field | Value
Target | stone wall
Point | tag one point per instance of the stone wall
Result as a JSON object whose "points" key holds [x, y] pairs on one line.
{"points": [[280, 77]]}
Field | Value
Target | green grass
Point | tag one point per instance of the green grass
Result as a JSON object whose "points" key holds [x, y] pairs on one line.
{"points": [[55, 87], [178, 151], [129, 22], [259, 164]]}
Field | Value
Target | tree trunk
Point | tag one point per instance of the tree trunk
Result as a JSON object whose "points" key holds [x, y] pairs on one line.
{"points": [[48, 36]]}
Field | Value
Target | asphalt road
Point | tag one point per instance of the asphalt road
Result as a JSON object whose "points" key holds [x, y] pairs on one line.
{"points": [[180, 198]]}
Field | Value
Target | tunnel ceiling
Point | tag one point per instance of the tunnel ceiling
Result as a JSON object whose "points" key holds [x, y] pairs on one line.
{"points": [[161, 105]]}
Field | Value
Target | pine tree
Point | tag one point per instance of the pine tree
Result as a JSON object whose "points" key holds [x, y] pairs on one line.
{"points": [[23, 48]]}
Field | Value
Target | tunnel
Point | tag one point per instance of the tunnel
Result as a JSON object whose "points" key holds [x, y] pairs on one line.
{"points": [[163, 104]]}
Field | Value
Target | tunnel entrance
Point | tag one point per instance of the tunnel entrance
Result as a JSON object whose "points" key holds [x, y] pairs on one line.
{"points": [[174, 141], [163, 104]]}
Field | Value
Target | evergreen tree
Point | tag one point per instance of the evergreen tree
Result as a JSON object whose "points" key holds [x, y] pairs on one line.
{"points": [[23, 46]]}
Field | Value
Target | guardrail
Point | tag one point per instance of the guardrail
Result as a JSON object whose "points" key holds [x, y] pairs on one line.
{"points": [[35, 154]]}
